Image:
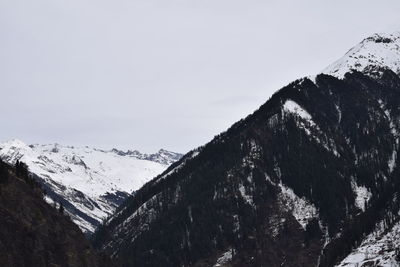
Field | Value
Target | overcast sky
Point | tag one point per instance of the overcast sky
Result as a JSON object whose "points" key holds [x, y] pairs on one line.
{"points": [[150, 74]]}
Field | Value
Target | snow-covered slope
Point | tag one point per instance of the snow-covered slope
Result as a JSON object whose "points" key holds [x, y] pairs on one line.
{"points": [[379, 248], [89, 182], [376, 51]]}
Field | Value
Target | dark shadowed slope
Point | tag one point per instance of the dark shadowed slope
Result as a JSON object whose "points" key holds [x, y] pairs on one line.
{"points": [[32, 233]]}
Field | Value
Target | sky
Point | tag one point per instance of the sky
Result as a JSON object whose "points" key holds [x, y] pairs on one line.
{"points": [[151, 74]]}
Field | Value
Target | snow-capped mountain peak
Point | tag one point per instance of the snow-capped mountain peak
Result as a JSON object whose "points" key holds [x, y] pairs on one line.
{"points": [[90, 182], [377, 51]]}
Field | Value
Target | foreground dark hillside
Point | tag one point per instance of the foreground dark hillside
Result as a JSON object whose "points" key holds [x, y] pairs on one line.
{"points": [[32, 233], [298, 183]]}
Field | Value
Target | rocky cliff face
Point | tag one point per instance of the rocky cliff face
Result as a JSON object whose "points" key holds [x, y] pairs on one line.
{"points": [[33, 233], [300, 182], [91, 183]]}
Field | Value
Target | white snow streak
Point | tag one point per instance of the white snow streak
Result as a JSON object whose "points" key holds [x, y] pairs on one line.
{"points": [[362, 195], [224, 258], [246, 197], [293, 107]]}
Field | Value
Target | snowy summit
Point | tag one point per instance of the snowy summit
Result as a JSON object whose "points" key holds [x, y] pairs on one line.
{"points": [[376, 51]]}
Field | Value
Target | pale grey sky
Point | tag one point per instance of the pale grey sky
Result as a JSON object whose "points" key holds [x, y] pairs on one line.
{"points": [[146, 74]]}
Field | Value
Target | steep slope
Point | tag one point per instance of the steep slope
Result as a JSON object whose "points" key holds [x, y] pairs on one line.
{"points": [[89, 182], [299, 182], [32, 233]]}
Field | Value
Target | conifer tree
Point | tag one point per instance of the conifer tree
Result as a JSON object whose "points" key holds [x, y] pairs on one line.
{"points": [[3, 172], [61, 208]]}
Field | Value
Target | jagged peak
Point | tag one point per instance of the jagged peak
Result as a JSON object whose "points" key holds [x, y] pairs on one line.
{"points": [[164, 151], [383, 37], [168, 152], [163, 156]]}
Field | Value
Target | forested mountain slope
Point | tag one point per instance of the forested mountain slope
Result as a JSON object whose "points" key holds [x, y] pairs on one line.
{"points": [[312, 174], [33, 233]]}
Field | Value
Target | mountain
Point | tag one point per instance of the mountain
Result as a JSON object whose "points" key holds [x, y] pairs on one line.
{"points": [[89, 182], [309, 179], [373, 53], [33, 233]]}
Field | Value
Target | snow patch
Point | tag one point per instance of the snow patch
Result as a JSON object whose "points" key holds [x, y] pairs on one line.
{"points": [[339, 113], [301, 208], [307, 124], [224, 258], [392, 161], [362, 194], [293, 107], [246, 197], [313, 78], [378, 249], [393, 130], [275, 224], [190, 214]]}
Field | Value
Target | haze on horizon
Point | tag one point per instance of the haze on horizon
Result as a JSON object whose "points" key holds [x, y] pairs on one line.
{"points": [[150, 74]]}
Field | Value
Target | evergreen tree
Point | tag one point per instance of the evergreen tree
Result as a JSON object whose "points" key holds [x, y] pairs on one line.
{"points": [[3, 172], [21, 170], [61, 208]]}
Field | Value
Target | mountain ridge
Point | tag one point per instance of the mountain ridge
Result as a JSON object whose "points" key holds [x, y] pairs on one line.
{"points": [[316, 162]]}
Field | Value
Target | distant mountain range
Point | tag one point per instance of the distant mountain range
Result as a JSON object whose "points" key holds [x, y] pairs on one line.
{"points": [[89, 182], [309, 179]]}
